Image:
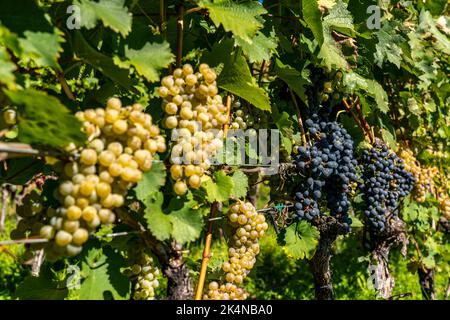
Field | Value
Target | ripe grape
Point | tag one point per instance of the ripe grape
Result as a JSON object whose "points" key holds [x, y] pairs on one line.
{"points": [[328, 166], [144, 274], [242, 252], [193, 108], [385, 182], [114, 160]]}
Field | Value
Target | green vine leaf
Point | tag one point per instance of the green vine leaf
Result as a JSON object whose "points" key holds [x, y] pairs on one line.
{"points": [[99, 61], [113, 13], [40, 117], [339, 19], [151, 182], [44, 287], [158, 222], [42, 47], [296, 80], [261, 48], [239, 17], [220, 188], [240, 184], [387, 48], [235, 75], [102, 277], [6, 68], [300, 240], [149, 60], [313, 18]]}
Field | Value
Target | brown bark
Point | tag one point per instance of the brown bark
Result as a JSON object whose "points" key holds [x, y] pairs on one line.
{"points": [[394, 233], [426, 280], [179, 282], [329, 229]]}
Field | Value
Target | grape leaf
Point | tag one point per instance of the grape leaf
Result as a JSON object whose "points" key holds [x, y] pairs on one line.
{"points": [[149, 59], [284, 124], [427, 24], [40, 117], [158, 222], [377, 92], [44, 287], [387, 48], [239, 17], [240, 182], [261, 48], [42, 47], [313, 18], [237, 79], [6, 68], [340, 19], [300, 240], [99, 61], [151, 182], [187, 222], [296, 80], [220, 189], [179, 220], [113, 13], [20, 171], [21, 16], [388, 137], [355, 82], [102, 276]]}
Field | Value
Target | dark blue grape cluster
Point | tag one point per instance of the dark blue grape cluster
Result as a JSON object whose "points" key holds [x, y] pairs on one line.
{"points": [[385, 182], [328, 167]]}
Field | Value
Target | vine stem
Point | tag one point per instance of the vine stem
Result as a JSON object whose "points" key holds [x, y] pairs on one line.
{"points": [[299, 117], [4, 204], [261, 72], [206, 253], [65, 86], [194, 10], [227, 125], [363, 126], [208, 239], [180, 32], [13, 150], [162, 17]]}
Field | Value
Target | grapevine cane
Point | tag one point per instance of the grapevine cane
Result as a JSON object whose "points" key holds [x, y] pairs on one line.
{"points": [[180, 30], [355, 118], [214, 209], [299, 117]]}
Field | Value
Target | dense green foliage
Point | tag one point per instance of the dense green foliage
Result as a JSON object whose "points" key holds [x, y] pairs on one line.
{"points": [[279, 61]]}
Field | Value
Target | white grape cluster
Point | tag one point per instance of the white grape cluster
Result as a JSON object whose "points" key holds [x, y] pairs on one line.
{"points": [[123, 142], [248, 227], [194, 108], [424, 175], [443, 196], [146, 274], [444, 201], [31, 213]]}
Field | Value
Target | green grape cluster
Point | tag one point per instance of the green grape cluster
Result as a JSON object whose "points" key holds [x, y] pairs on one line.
{"points": [[332, 89], [10, 116], [193, 107], [122, 145], [31, 213], [244, 117], [248, 227], [145, 274]]}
